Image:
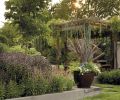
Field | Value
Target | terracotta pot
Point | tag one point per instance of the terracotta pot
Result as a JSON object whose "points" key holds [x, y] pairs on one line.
{"points": [[85, 80]]}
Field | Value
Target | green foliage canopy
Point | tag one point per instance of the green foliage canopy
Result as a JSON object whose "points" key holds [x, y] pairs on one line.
{"points": [[28, 14], [88, 8], [11, 32]]}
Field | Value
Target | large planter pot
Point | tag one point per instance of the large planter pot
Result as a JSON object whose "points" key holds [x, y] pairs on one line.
{"points": [[85, 80]]}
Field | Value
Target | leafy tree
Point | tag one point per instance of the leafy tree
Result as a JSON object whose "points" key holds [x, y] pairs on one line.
{"points": [[10, 34], [28, 14], [115, 24], [62, 10], [67, 9], [3, 39], [104, 8]]}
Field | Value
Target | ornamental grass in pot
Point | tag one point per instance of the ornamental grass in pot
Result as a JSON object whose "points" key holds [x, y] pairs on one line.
{"points": [[86, 70], [84, 74]]}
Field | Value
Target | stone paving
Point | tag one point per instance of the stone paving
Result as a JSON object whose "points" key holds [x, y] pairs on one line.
{"points": [[75, 94]]}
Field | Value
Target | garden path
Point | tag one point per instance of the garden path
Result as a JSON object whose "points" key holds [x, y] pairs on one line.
{"points": [[75, 94]]}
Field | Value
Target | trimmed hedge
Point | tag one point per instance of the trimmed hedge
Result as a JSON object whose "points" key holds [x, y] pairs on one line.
{"points": [[110, 77]]}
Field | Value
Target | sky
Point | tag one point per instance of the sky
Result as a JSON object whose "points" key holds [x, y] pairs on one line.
{"points": [[2, 11]]}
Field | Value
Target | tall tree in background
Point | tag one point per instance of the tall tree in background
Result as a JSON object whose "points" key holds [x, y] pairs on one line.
{"points": [[64, 10], [30, 15], [86, 8], [103, 8]]}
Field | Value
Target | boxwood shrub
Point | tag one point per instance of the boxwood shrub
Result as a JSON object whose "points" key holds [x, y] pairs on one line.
{"points": [[110, 77]]}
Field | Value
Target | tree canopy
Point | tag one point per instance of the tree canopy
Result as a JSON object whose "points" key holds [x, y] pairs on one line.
{"points": [[11, 34], [28, 14], [88, 8], [104, 8]]}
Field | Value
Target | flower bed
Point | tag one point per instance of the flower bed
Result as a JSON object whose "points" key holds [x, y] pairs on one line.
{"points": [[22, 78]]}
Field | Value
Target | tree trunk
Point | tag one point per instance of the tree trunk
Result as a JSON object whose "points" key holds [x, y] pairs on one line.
{"points": [[115, 50], [58, 52]]}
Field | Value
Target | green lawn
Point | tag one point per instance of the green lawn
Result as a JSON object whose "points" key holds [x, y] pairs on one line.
{"points": [[109, 92]]}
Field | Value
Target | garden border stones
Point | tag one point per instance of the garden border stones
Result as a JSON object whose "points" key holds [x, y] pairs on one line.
{"points": [[75, 94]]}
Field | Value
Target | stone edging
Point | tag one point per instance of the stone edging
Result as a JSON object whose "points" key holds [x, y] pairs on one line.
{"points": [[75, 94]]}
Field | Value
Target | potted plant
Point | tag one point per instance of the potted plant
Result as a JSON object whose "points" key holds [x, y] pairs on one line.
{"points": [[85, 50], [84, 74]]}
